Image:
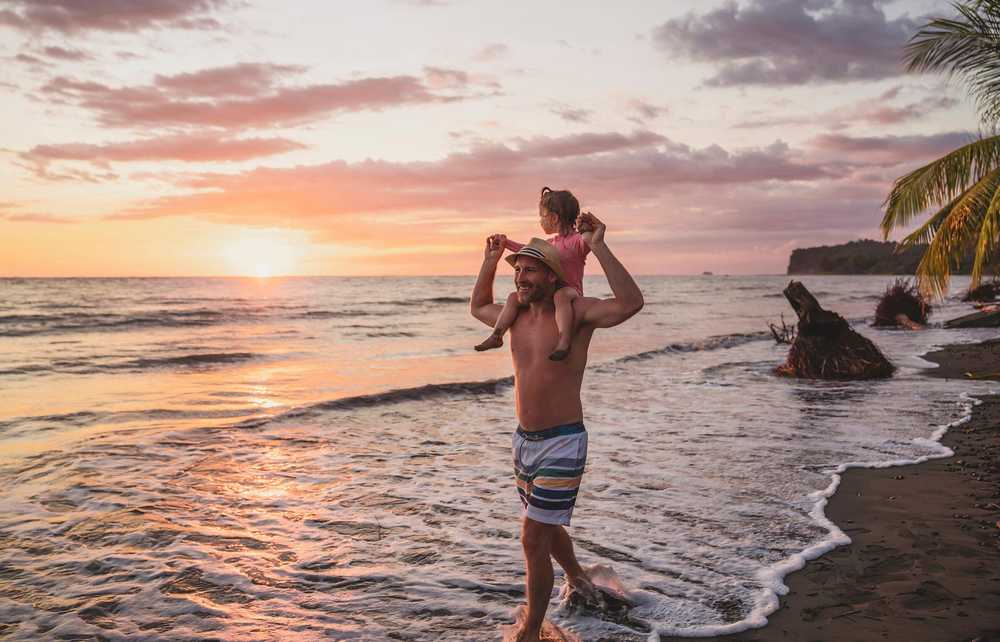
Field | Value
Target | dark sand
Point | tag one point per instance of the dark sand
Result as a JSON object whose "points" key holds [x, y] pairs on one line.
{"points": [[924, 562]]}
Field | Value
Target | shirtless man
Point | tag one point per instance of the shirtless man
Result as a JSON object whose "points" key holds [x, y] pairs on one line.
{"points": [[550, 445]]}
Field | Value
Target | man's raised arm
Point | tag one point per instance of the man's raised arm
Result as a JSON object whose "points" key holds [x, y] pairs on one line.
{"points": [[482, 304], [627, 300]]}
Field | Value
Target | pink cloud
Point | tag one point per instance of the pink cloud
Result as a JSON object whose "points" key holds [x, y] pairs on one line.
{"points": [[870, 111], [69, 16], [62, 53], [244, 79], [245, 96], [891, 150], [488, 178], [186, 148]]}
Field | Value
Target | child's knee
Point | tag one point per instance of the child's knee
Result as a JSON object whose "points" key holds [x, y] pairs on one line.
{"points": [[512, 298]]}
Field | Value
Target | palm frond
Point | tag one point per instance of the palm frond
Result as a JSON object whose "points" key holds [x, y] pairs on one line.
{"points": [[925, 233], [965, 46], [986, 245], [954, 235], [939, 181]]}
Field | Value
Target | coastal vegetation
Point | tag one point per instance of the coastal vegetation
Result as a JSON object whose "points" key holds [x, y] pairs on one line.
{"points": [[902, 305], [964, 184]]}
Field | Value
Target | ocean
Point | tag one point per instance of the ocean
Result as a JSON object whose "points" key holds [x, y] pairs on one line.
{"points": [[328, 458]]}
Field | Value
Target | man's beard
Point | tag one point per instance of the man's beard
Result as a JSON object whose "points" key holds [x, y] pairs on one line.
{"points": [[533, 294]]}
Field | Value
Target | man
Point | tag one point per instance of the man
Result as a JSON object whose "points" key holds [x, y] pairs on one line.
{"points": [[550, 445]]}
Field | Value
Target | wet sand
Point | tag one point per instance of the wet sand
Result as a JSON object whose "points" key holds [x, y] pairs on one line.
{"points": [[924, 562]]}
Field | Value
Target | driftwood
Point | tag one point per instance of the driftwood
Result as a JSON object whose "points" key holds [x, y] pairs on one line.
{"points": [[902, 305], [988, 318], [986, 292], [826, 347]]}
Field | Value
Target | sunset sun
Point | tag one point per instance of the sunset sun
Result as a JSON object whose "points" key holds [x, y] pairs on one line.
{"points": [[262, 253]]}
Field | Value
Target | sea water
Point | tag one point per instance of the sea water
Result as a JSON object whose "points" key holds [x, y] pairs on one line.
{"points": [[328, 459]]}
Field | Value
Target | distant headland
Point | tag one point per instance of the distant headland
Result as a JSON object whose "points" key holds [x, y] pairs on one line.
{"points": [[862, 257]]}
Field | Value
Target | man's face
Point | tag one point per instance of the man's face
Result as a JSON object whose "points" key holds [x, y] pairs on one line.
{"points": [[534, 280]]}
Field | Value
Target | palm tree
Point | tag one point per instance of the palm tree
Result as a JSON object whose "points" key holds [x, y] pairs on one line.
{"points": [[964, 184]]}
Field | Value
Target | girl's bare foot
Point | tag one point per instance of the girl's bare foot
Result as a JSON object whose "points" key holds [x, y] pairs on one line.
{"points": [[492, 342]]}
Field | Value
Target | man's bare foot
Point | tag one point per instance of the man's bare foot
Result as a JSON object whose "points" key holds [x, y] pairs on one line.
{"points": [[585, 588], [492, 342], [524, 636]]}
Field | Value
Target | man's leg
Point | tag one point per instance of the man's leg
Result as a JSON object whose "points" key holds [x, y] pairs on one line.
{"points": [[562, 551], [537, 539]]}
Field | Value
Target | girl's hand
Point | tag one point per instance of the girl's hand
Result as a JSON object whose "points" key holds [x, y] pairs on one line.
{"points": [[590, 228], [494, 247]]}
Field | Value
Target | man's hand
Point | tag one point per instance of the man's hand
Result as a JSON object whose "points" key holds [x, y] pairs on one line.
{"points": [[494, 247], [590, 228]]}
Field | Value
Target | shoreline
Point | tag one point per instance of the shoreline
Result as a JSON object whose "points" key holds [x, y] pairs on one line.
{"points": [[924, 560]]}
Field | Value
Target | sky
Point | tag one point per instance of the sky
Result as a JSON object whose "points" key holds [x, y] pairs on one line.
{"points": [[294, 137]]}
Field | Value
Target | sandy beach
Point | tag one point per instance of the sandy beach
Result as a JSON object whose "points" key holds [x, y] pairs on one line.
{"points": [[924, 562]]}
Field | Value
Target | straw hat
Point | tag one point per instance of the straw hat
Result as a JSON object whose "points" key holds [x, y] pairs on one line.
{"points": [[544, 252]]}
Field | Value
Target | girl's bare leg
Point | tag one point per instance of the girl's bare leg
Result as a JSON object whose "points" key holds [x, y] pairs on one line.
{"points": [[563, 299], [506, 319]]}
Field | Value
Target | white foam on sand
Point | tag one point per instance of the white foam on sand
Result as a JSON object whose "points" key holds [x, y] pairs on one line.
{"points": [[773, 576]]}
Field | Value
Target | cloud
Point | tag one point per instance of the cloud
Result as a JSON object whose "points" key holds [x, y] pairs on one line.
{"points": [[244, 79], [487, 178], [71, 16], [871, 111], [248, 95], [185, 148], [37, 218], [62, 53], [791, 42], [573, 115], [892, 150], [644, 111], [491, 52], [10, 211]]}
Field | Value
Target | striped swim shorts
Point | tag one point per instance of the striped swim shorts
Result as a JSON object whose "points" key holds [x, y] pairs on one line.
{"points": [[548, 466]]}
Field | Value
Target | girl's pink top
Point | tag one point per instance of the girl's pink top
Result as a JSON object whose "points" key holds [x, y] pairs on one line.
{"points": [[572, 255]]}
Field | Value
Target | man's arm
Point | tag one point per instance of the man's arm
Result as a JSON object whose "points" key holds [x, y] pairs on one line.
{"points": [[482, 304], [627, 301]]}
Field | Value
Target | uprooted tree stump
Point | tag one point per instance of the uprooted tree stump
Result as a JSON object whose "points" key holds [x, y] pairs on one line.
{"points": [[902, 305], [784, 333], [826, 347]]}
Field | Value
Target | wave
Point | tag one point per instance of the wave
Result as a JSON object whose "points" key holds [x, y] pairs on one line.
{"points": [[19, 325], [715, 342], [399, 395], [82, 366], [488, 386]]}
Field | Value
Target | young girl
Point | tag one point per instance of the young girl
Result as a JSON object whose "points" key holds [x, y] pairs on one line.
{"points": [[557, 212]]}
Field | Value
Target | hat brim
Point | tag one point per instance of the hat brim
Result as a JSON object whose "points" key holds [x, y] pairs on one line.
{"points": [[532, 253]]}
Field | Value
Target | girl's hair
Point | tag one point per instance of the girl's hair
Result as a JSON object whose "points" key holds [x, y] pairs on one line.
{"points": [[563, 204]]}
